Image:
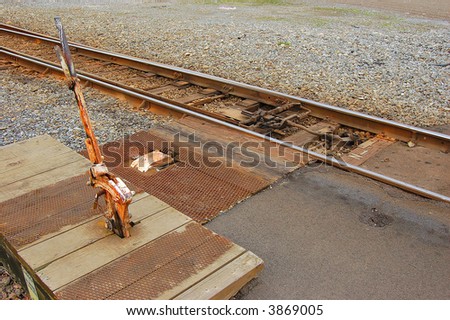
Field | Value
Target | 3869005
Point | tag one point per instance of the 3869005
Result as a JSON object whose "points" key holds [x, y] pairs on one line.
{"points": [[304, 310]]}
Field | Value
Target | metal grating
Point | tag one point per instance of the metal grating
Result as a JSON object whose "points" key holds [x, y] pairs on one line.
{"points": [[151, 270], [201, 192], [27, 218], [196, 194]]}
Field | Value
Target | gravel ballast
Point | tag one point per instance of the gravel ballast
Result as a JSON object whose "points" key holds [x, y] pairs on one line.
{"points": [[375, 62], [10, 289], [33, 105]]}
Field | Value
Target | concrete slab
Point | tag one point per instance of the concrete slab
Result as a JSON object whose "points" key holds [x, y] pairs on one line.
{"points": [[420, 166]]}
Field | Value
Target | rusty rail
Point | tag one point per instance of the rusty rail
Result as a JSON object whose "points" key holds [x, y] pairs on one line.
{"points": [[350, 118], [26, 60]]}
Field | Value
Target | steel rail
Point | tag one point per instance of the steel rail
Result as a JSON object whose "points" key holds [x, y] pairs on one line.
{"points": [[393, 129], [314, 155]]}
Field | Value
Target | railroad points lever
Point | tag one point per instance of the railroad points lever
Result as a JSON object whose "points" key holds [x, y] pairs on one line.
{"points": [[117, 195]]}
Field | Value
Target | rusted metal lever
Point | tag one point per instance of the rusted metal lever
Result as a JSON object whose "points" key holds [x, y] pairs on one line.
{"points": [[117, 195]]}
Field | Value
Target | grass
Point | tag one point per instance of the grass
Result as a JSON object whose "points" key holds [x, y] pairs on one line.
{"points": [[271, 18], [338, 11], [368, 17], [284, 43], [385, 21], [319, 22], [243, 2]]}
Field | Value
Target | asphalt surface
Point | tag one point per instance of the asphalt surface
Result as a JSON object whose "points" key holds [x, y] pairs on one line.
{"points": [[328, 234]]}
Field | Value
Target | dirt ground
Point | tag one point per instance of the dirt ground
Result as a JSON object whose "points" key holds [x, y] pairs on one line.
{"points": [[428, 9]]}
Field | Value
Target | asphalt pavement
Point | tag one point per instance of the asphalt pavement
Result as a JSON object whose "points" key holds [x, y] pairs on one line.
{"points": [[328, 234]]}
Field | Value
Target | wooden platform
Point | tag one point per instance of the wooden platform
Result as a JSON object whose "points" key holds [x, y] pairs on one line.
{"points": [[35, 163], [47, 216]]}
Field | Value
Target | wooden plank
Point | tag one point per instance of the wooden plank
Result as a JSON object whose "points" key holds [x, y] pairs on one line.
{"points": [[231, 254], [190, 98], [148, 75], [227, 281], [44, 252], [109, 248], [18, 158], [200, 96], [212, 131], [39, 143], [66, 228], [302, 137], [49, 177], [35, 163], [248, 103], [233, 113], [23, 160], [31, 168], [366, 150], [209, 91], [181, 83], [162, 89], [142, 209]]}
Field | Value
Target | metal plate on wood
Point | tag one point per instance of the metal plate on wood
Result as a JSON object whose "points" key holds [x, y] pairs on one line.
{"points": [[152, 270], [27, 218], [192, 187]]}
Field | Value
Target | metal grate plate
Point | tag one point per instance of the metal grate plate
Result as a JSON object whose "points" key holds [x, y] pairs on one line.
{"points": [[201, 192], [151, 270], [27, 218]]}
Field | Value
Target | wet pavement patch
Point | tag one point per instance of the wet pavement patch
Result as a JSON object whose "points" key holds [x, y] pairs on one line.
{"points": [[376, 219]]}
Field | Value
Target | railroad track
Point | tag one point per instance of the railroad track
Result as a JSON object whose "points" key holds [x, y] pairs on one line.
{"points": [[337, 136]]}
